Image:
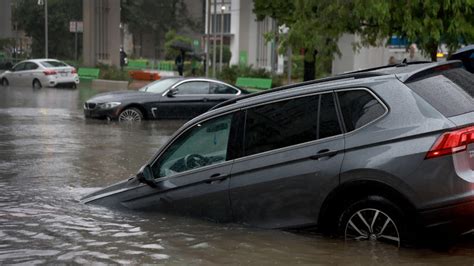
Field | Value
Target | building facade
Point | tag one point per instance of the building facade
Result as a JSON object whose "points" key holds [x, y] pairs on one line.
{"points": [[243, 33]]}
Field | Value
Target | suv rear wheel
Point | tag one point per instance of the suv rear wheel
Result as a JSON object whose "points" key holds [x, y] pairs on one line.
{"points": [[373, 219]]}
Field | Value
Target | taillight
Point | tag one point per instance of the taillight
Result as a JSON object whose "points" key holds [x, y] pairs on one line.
{"points": [[73, 71], [50, 72], [452, 142]]}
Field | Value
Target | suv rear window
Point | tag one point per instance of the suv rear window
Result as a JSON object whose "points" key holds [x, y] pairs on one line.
{"points": [[359, 107], [451, 92]]}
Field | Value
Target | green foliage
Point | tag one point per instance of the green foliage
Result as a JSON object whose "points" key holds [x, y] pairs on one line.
{"points": [[425, 22], [156, 17], [171, 38], [113, 73], [318, 24], [30, 18], [226, 53], [230, 74]]}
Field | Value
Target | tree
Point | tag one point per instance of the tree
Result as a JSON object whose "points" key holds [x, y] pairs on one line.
{"points": [[30, 18], [317, 25], [155, 17], [425, 22]]}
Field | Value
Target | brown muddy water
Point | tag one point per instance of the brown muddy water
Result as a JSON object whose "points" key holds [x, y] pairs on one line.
{"points": [[50, 157]]}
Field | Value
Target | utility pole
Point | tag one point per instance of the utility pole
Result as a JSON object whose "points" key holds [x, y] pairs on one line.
{"points": [[208, 37], [45, 3], [214, 27], [222, 35], [46, 28]]}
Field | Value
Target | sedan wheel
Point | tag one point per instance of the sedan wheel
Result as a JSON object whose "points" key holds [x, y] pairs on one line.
{"points": [[372, 219], [5, 82], [130, 115], [36, 84]]}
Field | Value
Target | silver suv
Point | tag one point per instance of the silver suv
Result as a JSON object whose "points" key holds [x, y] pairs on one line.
{"points": [[371, 155]]}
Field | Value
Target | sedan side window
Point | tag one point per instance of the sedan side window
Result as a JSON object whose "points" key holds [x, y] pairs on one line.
{"points": [[193, 87], [31, 66], [217, 88], [204, 144], [19, 67]]}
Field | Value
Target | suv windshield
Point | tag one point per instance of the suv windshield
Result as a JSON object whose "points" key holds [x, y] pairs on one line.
{"points": [[159, 86]]}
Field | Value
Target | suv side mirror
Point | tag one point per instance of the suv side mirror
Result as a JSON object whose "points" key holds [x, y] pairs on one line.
{"points": [[145, 175]]}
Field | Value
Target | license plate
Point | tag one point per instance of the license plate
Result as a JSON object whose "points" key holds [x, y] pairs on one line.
{"points": [[63, 74]]}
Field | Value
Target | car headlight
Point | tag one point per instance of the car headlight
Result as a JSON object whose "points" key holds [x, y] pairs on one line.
{"points": [[109, 105]]}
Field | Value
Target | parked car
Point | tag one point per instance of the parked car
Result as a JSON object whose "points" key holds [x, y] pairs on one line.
{"points": [[171, 98], [373, 155], [466, 55], [41, 73]]}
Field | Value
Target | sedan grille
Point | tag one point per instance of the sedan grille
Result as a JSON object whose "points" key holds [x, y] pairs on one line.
{"points": [[89, 106]]}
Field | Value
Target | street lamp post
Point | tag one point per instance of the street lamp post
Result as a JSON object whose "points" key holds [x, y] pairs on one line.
{"points": [[214, 29], [45, 3], [222, 35], [208, 37]]}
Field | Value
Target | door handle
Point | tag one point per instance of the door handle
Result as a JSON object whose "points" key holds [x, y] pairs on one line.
{"points": [[324, 153], [216, 178]]}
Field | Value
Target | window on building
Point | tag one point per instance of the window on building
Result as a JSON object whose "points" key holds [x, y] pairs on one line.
{"points": [[216, 23]]}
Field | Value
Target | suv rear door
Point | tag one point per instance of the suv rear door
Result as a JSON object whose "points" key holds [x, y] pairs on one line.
{"points": [[288, 161]]}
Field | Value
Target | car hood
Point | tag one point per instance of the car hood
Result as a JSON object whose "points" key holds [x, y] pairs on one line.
{"points": [[118, 96]]}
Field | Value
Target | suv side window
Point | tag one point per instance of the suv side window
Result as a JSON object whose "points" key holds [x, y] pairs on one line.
{"points": [[281, 124], [328, 121], [359, 107], [204, 144]]}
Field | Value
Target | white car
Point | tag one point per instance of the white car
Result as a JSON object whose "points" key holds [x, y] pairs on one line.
{"points": [[41, 73]]}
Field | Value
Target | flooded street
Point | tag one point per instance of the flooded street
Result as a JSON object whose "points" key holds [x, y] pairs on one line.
{"points": [[50, 157]]}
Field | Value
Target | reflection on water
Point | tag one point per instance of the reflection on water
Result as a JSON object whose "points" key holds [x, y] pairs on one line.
{"points": [[50, 157]]}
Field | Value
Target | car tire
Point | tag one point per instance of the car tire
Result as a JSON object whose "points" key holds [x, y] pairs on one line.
{"points": [[37, 84], [5, 82], [374, 218], [130, 115], [74, 86]]}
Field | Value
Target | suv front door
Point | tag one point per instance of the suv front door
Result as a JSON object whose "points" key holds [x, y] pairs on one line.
{"points": [[194, 171], [290, 161]]}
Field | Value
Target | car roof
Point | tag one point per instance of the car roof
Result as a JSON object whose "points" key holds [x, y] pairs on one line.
{"points": [[405, 72]]}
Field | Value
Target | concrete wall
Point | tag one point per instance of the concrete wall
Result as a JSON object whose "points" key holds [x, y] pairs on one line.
{"points": [[5, 19], [101, 39]]}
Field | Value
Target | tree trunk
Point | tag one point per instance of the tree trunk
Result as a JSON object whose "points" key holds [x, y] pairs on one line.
{"points": [[310, 66]]}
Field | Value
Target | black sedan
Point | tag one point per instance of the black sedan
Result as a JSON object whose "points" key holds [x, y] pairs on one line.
{"points": [[171, 98]]}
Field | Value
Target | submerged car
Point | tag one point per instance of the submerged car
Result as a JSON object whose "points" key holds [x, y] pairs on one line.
{"points": [[40, 73], [171, 98], [466, 55], [372, 155]]}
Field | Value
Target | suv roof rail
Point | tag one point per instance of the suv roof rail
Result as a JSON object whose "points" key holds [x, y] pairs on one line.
{"points": [[403, 64], [354, 75]]}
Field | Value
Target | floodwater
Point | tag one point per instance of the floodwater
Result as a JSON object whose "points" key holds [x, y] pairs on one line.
{"points": [[50, 157]]}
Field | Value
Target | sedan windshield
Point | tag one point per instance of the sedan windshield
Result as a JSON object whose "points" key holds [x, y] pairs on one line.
{"points": [[159, 86], [51, 63]]}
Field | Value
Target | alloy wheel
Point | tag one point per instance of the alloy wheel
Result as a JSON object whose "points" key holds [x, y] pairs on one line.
{"points": [[130, 115], [372, 225]]}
